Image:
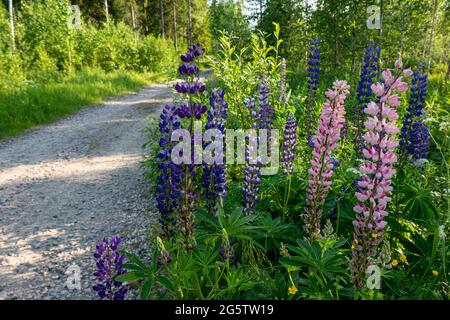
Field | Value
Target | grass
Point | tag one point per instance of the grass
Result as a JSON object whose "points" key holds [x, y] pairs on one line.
{"points": [[33, 104]]}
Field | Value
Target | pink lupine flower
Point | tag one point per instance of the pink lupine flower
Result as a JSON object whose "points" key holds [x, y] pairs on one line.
{"points": [[325, 141], [376, 172]]}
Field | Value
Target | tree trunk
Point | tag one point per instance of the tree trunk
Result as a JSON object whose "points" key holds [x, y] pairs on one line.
{"points": [[163, 31], [433, 26], [189, 23], [11, 21], [175, 39], [133, 16], [106, 11]]}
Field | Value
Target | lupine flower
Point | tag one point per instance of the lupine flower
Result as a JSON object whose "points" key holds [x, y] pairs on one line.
{"points": [[289, 145], [283, 97], [266, 112], [376, 173], [169, 179], [313, 83], [226, 249], [191, 111], [109, 265], [163, 255], [252, 171], [414, 137], [364, 93], [326, 140], [214, 175]]}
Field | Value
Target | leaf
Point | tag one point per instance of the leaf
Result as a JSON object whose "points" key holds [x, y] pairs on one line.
{"points": [[130, 276], [145, 290], [166, 283]]}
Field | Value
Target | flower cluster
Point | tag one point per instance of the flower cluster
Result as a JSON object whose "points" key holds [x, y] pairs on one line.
{"points": [[266, 112], [163, 255], [167, 188], [289, 145], [414, 136], [376, 172], [325, 141], [226, 249], [313, 83], [364, 93], [214, 175], [191, 111], [252, 171], [109, 265]]}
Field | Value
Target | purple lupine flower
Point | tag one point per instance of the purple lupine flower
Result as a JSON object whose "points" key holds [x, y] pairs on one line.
{"points": [[266, 112], [214, 175], [313, 83], [252, 171], [283, 97], [169, 179], [289, 145], [369, 70], [109, 265], [192, 111], [414, 137], [164, 257]]}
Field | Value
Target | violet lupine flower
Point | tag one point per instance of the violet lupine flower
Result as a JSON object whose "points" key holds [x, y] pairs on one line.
{"points": [[283, 97], [214, 175], [364, 93], [326, 140], [169, 179], [163, 257], [252, 171], [313, 83], [376, 173], [289, 145], [109, 265], [414, 136], [266, 112], [226, 249], [191, 111]]}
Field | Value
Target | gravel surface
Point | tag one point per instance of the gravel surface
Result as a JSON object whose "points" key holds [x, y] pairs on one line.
{"points": [[65, 186]]}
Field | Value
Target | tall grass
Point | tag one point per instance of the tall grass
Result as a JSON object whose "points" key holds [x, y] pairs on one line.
{"points": [[31, 104]]}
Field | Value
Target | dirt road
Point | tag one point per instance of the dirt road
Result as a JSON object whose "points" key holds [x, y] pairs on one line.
{"points": [[65, 186]]}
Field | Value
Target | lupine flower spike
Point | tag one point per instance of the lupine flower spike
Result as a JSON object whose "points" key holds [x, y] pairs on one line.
{"points": [[109, 265], [326, 140], [414, 137], [214, 175], [364, 93], [376, 172], [313, 83], [192, 111], [170, 177]]}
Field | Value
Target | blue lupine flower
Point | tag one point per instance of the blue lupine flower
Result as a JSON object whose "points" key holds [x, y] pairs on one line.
{"points": [[214, 175], [414, 137], [313, 83], [289, 145], [169, 179], [364, 93], [109, 265]]}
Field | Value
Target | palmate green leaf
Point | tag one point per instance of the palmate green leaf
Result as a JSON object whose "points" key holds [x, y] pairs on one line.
{"points": [[418, 202], [166, 282]]}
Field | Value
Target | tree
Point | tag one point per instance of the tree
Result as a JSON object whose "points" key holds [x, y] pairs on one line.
{"points": [[11, 21]]}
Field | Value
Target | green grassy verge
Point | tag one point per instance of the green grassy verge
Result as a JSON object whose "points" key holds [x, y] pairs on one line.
{"points": [[32, 104]]}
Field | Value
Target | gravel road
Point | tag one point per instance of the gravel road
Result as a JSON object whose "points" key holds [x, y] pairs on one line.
{"points": [[65, 186]]}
